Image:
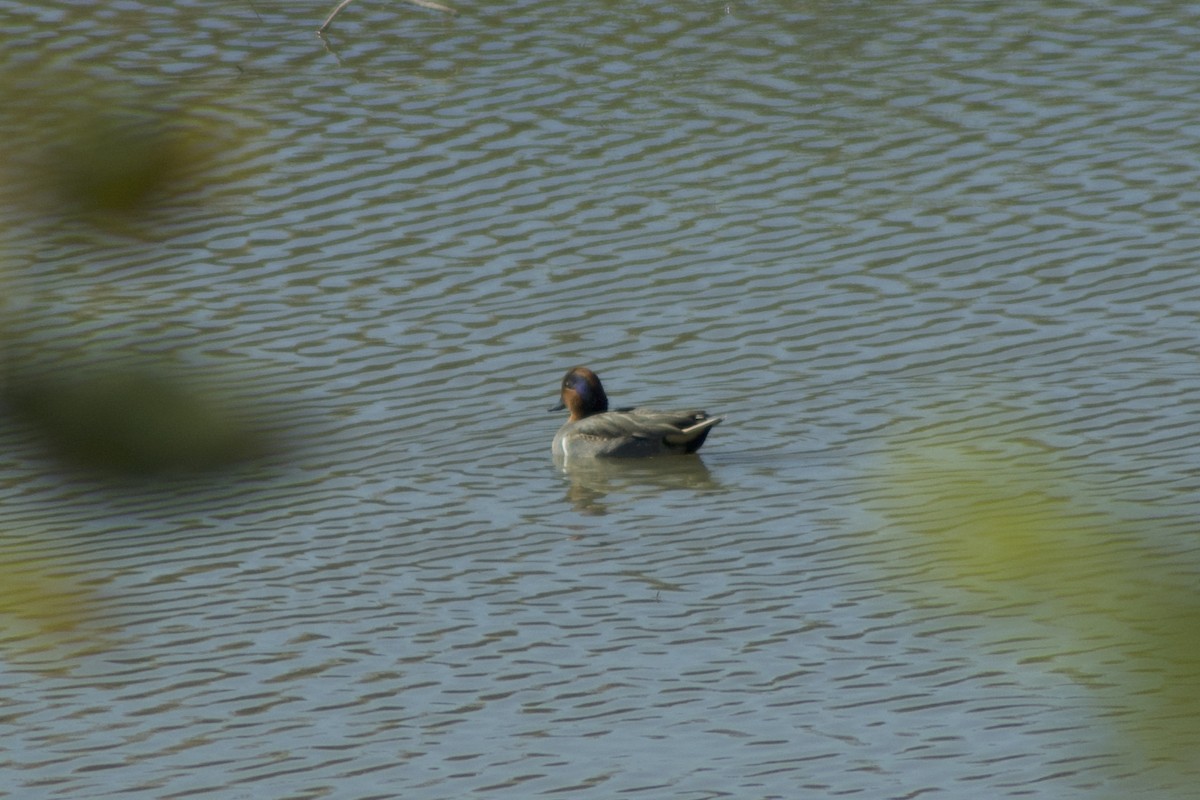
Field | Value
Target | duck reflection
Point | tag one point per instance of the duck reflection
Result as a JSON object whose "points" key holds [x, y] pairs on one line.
{"points": [[594, 484]]}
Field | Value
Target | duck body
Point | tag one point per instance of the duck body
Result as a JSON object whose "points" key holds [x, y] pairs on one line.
{"points": [[595, 432]]}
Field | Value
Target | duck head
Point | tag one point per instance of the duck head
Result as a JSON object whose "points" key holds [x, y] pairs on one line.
{"points": [[581, 394]]}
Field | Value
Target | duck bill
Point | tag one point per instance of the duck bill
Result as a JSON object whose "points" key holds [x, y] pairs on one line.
{"points": [[559, 406]]}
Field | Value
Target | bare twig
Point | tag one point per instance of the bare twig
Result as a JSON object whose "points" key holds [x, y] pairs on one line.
{"points": [[421, 3], [332, 14]]}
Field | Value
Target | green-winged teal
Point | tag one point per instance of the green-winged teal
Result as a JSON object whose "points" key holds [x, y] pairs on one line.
{"points": [[595, 432]]}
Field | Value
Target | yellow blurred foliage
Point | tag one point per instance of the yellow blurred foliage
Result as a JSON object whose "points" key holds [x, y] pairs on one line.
{"points": [[1009, 534], [995, 522], [37, 598]]}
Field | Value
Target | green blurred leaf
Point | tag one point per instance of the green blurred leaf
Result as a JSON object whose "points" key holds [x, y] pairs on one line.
{"points": [[135, 421]]}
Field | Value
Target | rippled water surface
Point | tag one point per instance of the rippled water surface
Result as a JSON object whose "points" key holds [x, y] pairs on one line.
{"points": [[935, 262]]}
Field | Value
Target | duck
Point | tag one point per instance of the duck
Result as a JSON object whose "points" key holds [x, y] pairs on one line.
{"points": [[592, 431]]}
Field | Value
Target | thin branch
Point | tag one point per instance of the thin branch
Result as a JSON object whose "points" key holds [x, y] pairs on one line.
{"points": [[421, 3], [333, 14]]}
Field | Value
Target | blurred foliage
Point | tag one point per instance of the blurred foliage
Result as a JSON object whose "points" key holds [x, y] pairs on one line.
{"points": [[117, 162], [36, 598], [116, 155], [1002, 532], [132, 420], [83, 159]]}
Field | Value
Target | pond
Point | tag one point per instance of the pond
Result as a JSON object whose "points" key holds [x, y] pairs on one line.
{"points": [[933, 262]]}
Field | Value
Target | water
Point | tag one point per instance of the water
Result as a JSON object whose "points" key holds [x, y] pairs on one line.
{"points": [[932, 261]]}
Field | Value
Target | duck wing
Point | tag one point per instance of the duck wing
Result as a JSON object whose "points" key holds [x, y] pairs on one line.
{"points": [[648, 429]]}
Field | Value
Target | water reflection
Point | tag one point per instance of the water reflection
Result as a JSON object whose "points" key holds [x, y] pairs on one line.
{"points": [[594, 484]]}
